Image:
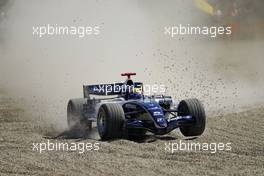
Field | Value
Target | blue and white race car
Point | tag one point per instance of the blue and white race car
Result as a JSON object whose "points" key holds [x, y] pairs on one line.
{"points": [[122, 110]]}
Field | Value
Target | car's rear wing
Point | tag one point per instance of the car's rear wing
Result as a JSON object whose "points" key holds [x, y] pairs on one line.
{"points": [[109, 89]]}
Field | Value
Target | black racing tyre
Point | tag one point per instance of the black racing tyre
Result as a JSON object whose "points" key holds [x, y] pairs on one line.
{"points": [[194, 108], [75, 116], [110, 120]]}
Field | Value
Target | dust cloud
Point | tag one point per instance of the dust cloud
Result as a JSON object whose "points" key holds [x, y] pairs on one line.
{"points": [[43, 73]]}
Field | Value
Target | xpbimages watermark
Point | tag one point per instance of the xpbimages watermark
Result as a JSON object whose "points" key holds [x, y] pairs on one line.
{"points": [[196, 146], [79, 147], [212, 31], [108, 89], [62, 30]]}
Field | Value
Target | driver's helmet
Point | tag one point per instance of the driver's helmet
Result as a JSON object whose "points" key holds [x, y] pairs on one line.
{"points": [[134, 96], [132, 92], [136, 93]]}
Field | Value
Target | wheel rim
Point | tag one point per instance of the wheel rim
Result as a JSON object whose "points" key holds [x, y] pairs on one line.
{"points": [[101, 121]]}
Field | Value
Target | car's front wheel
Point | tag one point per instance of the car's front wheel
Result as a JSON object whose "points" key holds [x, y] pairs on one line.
{"points": [[194, 108], [110, 120]]}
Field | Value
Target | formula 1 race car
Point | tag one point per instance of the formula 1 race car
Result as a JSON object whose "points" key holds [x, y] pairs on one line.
{"points": [[130, 113]]}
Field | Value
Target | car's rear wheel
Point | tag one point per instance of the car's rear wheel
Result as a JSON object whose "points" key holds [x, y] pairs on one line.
{"points": [[75, 116], [194, 108], [110, 120]]}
